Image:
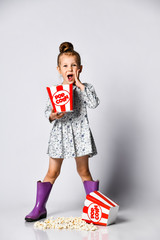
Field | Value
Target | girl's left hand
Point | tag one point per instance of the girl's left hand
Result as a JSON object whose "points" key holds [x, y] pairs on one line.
{"points": [[77, 81]]}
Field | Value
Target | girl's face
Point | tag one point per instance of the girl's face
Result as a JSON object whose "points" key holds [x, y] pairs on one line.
{"points": [[68, 68]]}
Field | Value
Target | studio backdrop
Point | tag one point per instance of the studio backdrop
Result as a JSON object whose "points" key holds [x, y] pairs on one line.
{"points": [[119, 45]]}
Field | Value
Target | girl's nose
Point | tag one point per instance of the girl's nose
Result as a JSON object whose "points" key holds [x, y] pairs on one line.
{"points": [[70, 68]]}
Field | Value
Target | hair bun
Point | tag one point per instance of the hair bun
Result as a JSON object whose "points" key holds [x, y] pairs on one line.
{"points": [[66, 47]]}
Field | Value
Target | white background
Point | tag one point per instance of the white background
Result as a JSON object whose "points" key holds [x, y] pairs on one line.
{"points": [[119, 45]]}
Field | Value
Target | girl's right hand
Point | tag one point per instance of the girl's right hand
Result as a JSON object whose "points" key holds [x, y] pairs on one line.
{"points": [[56, 115]]}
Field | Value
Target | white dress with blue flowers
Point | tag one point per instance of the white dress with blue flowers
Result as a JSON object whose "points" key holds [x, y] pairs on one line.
{"points": [[71, 135]]}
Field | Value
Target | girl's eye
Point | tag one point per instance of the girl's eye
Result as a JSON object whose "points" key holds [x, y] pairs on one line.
{"points": [[74, 65], [65, 66]]}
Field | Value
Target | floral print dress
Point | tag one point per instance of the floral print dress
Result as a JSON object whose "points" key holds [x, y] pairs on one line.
{"points": [[71, 135]]}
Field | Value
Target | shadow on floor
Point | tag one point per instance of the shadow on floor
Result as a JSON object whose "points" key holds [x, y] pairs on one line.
{"points": [[121, 220]]}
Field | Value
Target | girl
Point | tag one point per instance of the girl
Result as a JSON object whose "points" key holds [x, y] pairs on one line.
{"points": [[70, 135]]}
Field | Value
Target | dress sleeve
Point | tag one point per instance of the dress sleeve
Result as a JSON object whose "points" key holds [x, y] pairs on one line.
{"points": [[48, 109], [90, 96]]}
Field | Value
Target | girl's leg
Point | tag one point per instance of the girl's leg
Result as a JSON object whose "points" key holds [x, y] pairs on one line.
{"points": [[53, 170], [43, 190], [83, 168]]}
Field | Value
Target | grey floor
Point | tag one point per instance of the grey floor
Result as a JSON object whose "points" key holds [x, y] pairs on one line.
{"points": [[132, 224]]}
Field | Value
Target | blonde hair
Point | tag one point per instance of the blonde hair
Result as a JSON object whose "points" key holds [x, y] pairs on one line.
{"points": [[68, 49]]}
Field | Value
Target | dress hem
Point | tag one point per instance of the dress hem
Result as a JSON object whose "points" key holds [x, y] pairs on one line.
{"points": [[89, 155]]}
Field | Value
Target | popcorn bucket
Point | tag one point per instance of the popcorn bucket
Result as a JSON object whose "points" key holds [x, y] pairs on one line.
{"points": [[99, 209], [61, 97]]}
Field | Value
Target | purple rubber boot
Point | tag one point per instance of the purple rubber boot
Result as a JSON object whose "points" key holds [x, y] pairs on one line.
{"points": [[91, 186], [39, 211]]}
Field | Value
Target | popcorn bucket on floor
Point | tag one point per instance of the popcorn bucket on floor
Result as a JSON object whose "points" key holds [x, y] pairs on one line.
{"points": [[99, 209], [61, 97]]}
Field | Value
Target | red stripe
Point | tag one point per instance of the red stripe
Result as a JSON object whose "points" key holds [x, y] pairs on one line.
{"points": [[99, 223], [71, 96], [59, 88], [94, 200], [85, 209], [106, 199], [104, 215], [51, 98]]}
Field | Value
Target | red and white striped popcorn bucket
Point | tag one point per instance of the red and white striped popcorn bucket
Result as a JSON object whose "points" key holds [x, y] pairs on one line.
{"points": [[99, 209], [61, 97]]}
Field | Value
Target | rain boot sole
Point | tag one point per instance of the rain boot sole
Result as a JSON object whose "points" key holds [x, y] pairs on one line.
{"points": [[33, 220]]}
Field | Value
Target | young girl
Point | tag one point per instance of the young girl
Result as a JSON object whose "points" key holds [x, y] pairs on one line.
{"points": [[70, 135]]}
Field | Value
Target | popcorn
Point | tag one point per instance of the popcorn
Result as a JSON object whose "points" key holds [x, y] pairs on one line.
{"points": [[65, 223], [61, 97]]}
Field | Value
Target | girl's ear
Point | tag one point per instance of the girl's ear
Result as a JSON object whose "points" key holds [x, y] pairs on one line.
{"points": [[58, 68], [80, 69]]}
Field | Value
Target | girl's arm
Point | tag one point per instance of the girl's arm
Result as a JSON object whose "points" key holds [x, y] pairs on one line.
{"points": [[88, 92], [50, 114], [90, 96]]}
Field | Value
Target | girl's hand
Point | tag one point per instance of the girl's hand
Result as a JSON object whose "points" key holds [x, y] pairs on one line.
{"points": [[77, 81], [56, 115]]}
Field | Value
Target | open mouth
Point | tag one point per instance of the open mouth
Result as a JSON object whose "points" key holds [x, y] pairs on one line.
{"points": [[70, 77]]}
